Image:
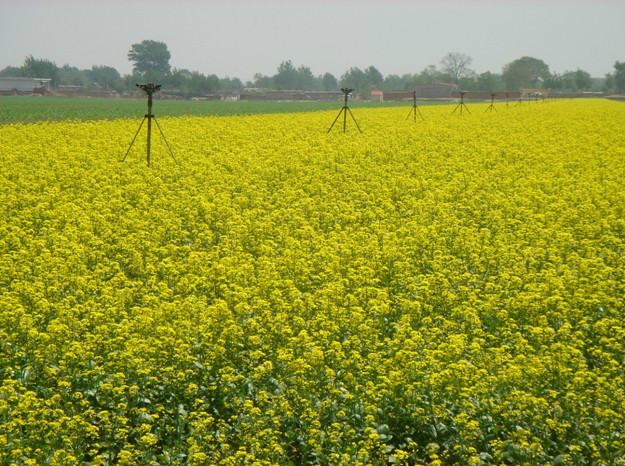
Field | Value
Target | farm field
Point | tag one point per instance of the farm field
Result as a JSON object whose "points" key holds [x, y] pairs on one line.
{"points": [[445, 292], [16, 109]]}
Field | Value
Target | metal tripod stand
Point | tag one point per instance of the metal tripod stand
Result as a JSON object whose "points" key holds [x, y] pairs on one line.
{"points": [[344, 111], [461, 104], [415, 108], [491, 107], [150, 89]]}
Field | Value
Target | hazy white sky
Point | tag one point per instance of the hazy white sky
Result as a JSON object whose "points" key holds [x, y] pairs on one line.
{"points": [[242, 37]]}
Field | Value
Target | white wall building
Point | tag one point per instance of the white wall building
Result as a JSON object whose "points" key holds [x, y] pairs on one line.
{"points": [[23, 85]]}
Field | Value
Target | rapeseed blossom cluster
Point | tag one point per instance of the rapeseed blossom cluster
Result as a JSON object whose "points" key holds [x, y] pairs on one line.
{"points": [[450, 292]]}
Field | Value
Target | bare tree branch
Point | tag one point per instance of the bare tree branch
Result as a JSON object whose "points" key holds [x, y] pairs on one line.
{"points": [[456, 65]]}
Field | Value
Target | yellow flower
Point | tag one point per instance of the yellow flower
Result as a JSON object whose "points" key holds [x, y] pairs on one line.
{"points": [[442, 293]]}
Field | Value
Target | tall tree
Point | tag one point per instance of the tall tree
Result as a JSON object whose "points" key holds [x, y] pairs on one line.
{"points": [[373, 76], [198, 84], [525, 72], [428, 75], [619, 77], [304, 79], [40, 68], [554, 82], [329, 82], [73, 76], [488, 81], [392, 82], [353, 78], [106, 77], [583, 80], [286, 77], [570, 81], [12, 71], [456, 65], [178, 78], [373, 79], [150, 58], [230, 84], [262, 81]]}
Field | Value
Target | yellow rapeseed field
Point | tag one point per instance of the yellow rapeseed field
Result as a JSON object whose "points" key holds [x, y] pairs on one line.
{"points": [[445, 292]]}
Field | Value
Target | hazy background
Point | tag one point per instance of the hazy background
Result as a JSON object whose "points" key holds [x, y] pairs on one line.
{"points": [[242, 37]]}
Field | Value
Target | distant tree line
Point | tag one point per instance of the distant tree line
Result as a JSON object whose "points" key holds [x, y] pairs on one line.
{"points": [[150, 61]]}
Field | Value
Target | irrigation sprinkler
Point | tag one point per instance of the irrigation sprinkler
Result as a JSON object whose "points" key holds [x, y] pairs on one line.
{"points": [[150, 89], [491, 107], [461, 104], [344, 111], [415, 108]]}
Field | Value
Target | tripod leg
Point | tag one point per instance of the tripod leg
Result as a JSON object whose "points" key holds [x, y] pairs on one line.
{"points": [[165, 139], [352, 115], [467, 109], [409, 113], [420, 114], [335, 120], [133, 139], [150, 116], [457, 107]]}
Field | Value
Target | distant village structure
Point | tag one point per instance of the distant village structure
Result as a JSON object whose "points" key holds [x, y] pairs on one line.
{"points": [[24, 86], [481, 95], [534, 92], [267, 94], [431, 91]]}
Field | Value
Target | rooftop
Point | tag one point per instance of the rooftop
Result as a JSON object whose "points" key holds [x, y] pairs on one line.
{"points": [[24, 79]]}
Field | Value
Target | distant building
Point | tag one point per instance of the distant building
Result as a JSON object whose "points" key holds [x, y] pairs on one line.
{"points": [[229, 95], [578, 95], [271, 94], [436, 90], [68, 88], [377, 96], [395, 96], [482, 95], [24, 85], [424, 91], [535, 92]]}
